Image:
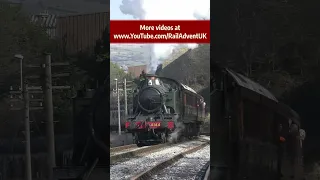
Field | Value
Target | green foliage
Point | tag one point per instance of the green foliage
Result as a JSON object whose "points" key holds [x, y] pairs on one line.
{"points": [[117, 73], [90, 71], [93, 67], [174, 55], [102, 48], [276, 43], [19, 36], [96, 71], [193, 67]]}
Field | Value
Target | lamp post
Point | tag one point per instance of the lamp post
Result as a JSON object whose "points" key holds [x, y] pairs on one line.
{"points": [[20, 57], [118, 98], [25, 97]]}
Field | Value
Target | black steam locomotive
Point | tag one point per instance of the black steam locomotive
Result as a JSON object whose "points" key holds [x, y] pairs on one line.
{"points": [[163, 106]]}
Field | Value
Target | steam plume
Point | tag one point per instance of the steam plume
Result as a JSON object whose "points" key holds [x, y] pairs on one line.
{"points": [[201, 16], [134, 8], [174, 136]]}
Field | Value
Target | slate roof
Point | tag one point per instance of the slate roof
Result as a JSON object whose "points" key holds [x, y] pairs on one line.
{"points": [[251, 85]]}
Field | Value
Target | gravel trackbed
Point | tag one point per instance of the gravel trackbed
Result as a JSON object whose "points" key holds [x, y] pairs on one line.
{"points": [[186, 168], [125, 170]]}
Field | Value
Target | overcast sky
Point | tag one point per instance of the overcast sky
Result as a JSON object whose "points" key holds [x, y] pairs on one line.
{"points": [[166, 9], [115, 12], [161, 10]]}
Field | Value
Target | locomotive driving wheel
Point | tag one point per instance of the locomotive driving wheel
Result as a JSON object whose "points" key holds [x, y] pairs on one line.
{"points": [[140, 144], [135, 140]]}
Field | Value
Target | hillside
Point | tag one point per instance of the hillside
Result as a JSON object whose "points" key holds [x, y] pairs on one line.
{"points": [[193, 69], [134, 55], [176, 53], [129, 55]]}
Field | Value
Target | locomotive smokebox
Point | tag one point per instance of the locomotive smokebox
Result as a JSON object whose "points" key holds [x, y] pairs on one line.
{"points": [[150, 99]]}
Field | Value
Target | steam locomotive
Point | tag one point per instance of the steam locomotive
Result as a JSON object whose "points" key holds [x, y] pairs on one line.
{"points": [[163, 106]]}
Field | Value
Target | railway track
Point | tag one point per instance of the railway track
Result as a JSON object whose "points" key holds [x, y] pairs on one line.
{"points": [[191, 164], [128, 147], [132, 147], [142, 165], [122, 148], [134, 152]]}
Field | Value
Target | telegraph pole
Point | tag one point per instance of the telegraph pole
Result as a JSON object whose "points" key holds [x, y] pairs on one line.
{"points": [[43, 93], [27, 131], [119, 114], [125, 98], [49, 116]]}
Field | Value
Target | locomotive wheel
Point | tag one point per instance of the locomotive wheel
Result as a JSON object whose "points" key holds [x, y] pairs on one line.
{"points": [[140, 144]]}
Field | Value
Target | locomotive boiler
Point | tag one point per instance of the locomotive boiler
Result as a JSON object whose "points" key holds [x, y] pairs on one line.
{"points": [[162, 106]]}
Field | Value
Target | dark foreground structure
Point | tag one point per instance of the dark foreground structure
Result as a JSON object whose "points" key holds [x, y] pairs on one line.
{"points": [[247, 124], [90, 156]]}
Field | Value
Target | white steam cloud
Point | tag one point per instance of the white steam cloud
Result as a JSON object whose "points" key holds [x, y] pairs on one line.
{"points": [[165, 10], [134, 8], [174, 136]]}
